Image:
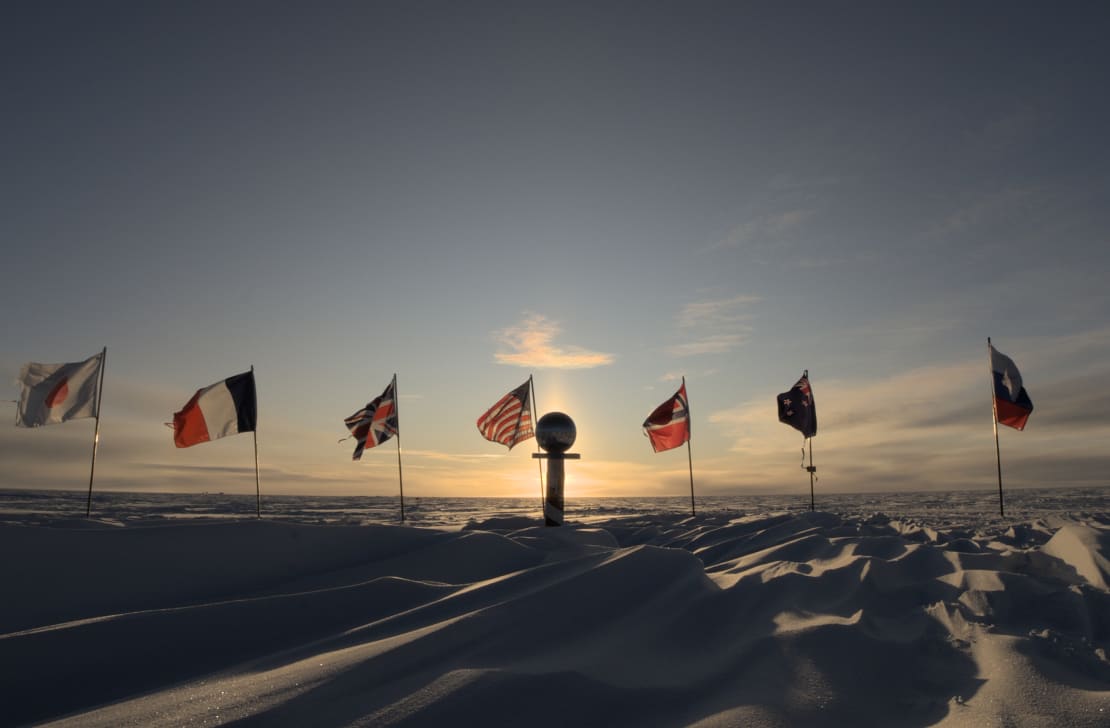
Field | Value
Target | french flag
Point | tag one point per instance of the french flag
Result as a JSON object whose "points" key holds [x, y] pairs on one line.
{"points": [[225, 408], [1012, 405]]}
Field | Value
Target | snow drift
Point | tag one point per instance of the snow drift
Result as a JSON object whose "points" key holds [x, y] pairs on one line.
{"points": [[763, 620]]}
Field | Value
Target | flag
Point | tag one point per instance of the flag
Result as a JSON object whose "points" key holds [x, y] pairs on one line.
{"points": [[376, 422], [509, 421], [1012, 405], [226, 408], [669, 425], [54, 393], [797, 409]]}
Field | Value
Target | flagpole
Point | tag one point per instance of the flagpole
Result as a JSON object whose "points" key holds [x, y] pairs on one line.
{"points": [[257, 485], [994, 421], [96, 431], [397, 413], [690, 460], [812, 470], [689, 455], [539, 465], [809, 442]]}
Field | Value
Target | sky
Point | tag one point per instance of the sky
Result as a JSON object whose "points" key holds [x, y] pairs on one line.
{"points": [[608, 196]]}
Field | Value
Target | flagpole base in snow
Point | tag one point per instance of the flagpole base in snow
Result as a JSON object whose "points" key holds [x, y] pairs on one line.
{"points": [[555, 433]]}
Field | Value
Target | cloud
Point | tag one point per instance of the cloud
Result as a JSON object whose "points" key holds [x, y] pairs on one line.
{"points": [[1007, 203], [439, 455], [790, 182], [934, 403], [530, 344], [714, 344], [1006, 132], [765, 229], [930, 427], [715, 326], [718, 312]]}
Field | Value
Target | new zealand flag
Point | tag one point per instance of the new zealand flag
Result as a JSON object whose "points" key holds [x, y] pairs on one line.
{"points": [[796, 407]]}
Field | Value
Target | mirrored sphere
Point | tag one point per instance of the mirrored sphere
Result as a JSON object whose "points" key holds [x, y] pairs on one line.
{"points": [[555, 432]]}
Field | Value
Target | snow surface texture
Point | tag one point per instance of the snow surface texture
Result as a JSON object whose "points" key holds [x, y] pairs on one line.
{"points": [[761, 619]]}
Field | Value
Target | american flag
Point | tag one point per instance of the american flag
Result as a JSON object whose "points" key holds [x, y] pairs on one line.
{"points": [[510, 420], [376, 422], [669, 425]]}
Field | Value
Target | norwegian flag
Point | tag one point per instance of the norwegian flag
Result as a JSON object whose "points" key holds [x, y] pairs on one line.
{"points": [[797, 409], [669, 425], [376, 422], [509, 421]]}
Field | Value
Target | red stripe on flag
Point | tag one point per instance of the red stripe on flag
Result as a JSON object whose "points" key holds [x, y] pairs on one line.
{"points": [[1011, 414], [668, 436], [189, 427]]}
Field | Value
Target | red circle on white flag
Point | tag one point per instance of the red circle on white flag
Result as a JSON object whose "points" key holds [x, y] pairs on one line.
{"points": [[59, 393]]}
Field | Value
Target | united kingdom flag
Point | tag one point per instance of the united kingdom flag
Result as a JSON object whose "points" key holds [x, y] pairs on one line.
{"points": [[796, 407], [376, 422]]}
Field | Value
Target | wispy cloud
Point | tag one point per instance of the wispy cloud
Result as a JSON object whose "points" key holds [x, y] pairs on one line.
{"points": [[455, 457], [906, 406], [530, 343], [1003, 203], [713, 326], [930, 427], [766, 229], [714, 344], [1005, 132], [718, 312], [792, 182]]}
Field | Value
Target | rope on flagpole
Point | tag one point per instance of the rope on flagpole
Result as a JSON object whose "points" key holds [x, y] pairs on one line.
{"points": [[812, 470]]}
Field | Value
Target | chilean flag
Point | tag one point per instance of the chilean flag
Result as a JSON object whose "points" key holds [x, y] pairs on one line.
{"points": [[54, 393], [669, 425], [1012, 405], [225, 408]]}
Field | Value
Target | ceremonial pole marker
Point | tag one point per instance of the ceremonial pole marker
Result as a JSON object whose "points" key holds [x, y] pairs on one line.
{"points": [[555, 433]]}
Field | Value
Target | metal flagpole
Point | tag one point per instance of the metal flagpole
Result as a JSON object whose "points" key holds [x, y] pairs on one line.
{"points": [[690, 459], [994, 421], [539, 465], [397, 415], [689, 456], [96, 432], [257, 486], [809, 441], [811, 470]]}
